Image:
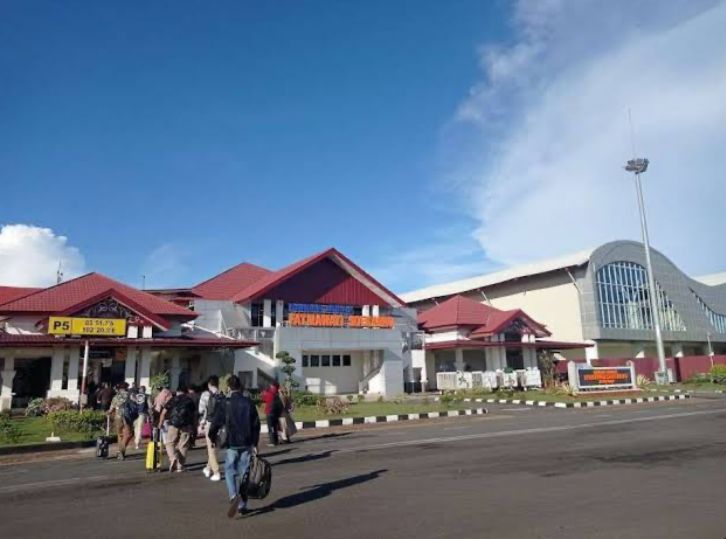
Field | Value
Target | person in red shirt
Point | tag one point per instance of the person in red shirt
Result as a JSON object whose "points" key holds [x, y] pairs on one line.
{"points": [[273, 409]]}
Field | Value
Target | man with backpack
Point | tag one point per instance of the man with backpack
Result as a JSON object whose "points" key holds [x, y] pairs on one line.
{"points": [[181, 413], [122, 413], [211, 412], [242, 427], [141, 399]]}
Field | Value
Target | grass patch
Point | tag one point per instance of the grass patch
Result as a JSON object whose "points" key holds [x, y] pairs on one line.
{"points": [[551, 396], [36, 429], [700, 386], [312, 413]]}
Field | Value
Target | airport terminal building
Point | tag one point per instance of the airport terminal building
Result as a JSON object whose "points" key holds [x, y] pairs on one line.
{"points": [[601, 297], [346, 332]]}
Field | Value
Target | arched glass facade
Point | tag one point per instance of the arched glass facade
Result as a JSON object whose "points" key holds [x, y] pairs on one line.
{"points": [[624, 300], [718, 320]]}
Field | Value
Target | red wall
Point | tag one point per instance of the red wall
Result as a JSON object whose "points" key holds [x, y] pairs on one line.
{"points": [[684, 368], [324, 282]]}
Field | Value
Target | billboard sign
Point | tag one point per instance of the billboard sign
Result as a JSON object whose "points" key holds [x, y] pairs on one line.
{"points": [[94, 327], [601, 378]]}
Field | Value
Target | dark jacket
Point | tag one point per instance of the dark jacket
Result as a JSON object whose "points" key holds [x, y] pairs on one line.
{"points": [[243, 423]]}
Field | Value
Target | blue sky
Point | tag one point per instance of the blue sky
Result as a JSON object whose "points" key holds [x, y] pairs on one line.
{"points": [[230, 131], [427, 140]]}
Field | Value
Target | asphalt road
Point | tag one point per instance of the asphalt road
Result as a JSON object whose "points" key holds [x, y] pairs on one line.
{"points": [[626, 471]]}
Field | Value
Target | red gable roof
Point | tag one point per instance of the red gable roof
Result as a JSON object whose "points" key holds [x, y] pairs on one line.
{"points": [[11, 293], [325, 277], [483, 320], [71, 296], [359, 288], [229, 283]]}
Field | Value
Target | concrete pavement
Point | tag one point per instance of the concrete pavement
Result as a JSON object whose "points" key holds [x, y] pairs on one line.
{"points": [[635, 471]]}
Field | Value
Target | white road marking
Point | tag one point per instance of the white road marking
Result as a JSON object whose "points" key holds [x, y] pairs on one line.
{"points": [[520, 432]]}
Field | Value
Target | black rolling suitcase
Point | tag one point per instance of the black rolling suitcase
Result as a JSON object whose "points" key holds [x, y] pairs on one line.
{"points": [[104, 442]]}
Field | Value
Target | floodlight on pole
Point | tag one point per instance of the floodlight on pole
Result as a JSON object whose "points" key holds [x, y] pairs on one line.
{"points": [[637, 166]]}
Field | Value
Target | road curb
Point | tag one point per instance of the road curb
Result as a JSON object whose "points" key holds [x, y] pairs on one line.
{"points": [[584, 404], [366, 420], [47, 447]]}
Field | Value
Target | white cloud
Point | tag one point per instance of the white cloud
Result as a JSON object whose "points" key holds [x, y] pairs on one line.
{"points": [[29, 256], [551, 117], [165, 267], [451, 255]]}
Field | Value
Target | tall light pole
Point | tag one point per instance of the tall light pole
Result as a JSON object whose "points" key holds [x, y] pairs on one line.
{"points": [[638, 166]]}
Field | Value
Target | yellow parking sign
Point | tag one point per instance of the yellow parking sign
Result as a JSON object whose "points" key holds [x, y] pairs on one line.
{"points": [[97, 327]]}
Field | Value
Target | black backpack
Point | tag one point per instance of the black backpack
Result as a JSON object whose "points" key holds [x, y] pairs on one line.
{"points": [[182, 412], [216, 408], [130, 411], [259, 478]]}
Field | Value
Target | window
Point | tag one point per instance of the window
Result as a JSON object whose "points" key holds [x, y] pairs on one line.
{"points": [[336, 361], [717, 320], [325, 361], [346, 361], [624, 299], [257, 315], [305, 362], [315, 361]]}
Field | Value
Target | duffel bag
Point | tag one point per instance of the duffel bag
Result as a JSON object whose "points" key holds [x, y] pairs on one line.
{"points": [[259, 478]]}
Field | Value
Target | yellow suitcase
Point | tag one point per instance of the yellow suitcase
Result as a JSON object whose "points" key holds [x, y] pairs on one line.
{"points": [[154, 453]]}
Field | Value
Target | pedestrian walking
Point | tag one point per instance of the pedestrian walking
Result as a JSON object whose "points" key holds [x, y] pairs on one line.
{"points": [[142, 401], [160, 401], [242, 425], [286, 423], [118, 409], [181, 413], [273, 410], [105, 396], [212, 405]]}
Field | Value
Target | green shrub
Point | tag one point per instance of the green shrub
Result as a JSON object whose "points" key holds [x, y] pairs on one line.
{"points": [[349, 397], [446, 398], [73, 421], [717, 374], [57, 404], [303, 398], [333, 406], [9, 431], [36, 407], [360, 397], [380, 398]]}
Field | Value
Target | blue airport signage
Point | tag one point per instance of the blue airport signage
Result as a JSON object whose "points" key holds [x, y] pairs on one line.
{"points": [[320, 309]]}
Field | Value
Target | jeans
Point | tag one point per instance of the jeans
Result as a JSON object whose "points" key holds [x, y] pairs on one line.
{"points": [[237, 465]]}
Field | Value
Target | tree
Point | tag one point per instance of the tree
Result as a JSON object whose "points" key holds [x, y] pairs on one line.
{"points": [[288, 368], [546, 362]]}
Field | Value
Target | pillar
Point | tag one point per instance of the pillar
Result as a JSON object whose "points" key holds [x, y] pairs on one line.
{"points": [[56, 371], [376, 311], [592, 352], [459, 358], [73, 367], [6, 390], [175, 370], [130, 371], [279, 312], [366, 310], [267, 313], [145, 368]]}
